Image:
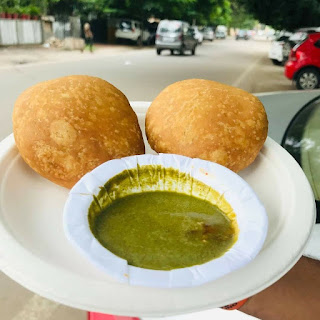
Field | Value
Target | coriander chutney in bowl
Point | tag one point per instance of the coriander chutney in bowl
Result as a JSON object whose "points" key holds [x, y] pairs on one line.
{"points": [[161, 229], [165, 221]]}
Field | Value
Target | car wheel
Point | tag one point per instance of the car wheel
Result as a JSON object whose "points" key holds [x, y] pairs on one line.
{"points": [[308, 79], [193, 51], [276, 62], [158, 52]]}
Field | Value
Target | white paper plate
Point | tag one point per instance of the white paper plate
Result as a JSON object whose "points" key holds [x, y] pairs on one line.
{"points": [[251, 216], [35, 252]]}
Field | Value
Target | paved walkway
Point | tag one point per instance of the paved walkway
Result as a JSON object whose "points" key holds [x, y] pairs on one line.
{"points": [[11, 56]]}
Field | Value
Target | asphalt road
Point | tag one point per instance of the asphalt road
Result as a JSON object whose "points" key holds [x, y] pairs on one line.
{"points": [[141, 74]]}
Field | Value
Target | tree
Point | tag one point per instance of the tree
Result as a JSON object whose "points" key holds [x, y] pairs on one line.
{"points": [[202, 11], [240, 18], [205, 12], [213, 12], [284, 14]]}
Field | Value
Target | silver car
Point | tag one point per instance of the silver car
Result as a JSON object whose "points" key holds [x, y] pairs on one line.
{"points": [[208, 34], [175, 35]]}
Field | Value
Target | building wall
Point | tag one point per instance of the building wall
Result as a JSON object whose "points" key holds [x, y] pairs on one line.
{"points": [[16, 31], [61, 30]]}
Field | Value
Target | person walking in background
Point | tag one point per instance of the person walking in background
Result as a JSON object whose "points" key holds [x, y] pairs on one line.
{"points": [[88, 36]]}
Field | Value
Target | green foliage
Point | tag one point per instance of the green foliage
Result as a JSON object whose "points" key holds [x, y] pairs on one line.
{"points": [[34, 10], [11, 10], [22, 6], [284, 14], [240, 18], [204, 12]]}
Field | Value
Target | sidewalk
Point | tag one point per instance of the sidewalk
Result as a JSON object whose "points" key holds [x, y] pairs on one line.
{"points": [[12, 56]]}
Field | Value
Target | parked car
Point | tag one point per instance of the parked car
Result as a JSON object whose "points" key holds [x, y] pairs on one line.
{"points": [[220, 34], [175, 35], [242, 34], [303, 66], [208, 34], [278, 52], [197, 34], [131, 30], [297, 37]]}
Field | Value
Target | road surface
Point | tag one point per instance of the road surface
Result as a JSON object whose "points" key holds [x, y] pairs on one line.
{"points": [[141, 74]]}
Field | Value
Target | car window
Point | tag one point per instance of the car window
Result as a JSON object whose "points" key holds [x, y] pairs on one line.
{"points": [[311, 31], [298, 36], [125, 24], [282, 38], [185, 28], [190, 32], [170, 26], [302, 141]]}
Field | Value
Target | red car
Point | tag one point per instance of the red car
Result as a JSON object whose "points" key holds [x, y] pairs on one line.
{"points": [[303, 65]]}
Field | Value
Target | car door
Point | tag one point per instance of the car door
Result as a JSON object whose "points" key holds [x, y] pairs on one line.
{"points": [[185, 37], [125, 29], [192, 39], [136, 30], [189, 39], [315, 55]]}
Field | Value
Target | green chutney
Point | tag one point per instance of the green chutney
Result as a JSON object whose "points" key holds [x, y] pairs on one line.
{"points": [[161, 230]]}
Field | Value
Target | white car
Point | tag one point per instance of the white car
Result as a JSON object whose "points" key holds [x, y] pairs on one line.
{"points": [[220, 34], [197, 34], [131, 30], [279, 47], [208, 34]]}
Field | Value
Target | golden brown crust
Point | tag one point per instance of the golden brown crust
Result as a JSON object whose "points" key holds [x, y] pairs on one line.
{"points": [[207, 120], [66, 127]]}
